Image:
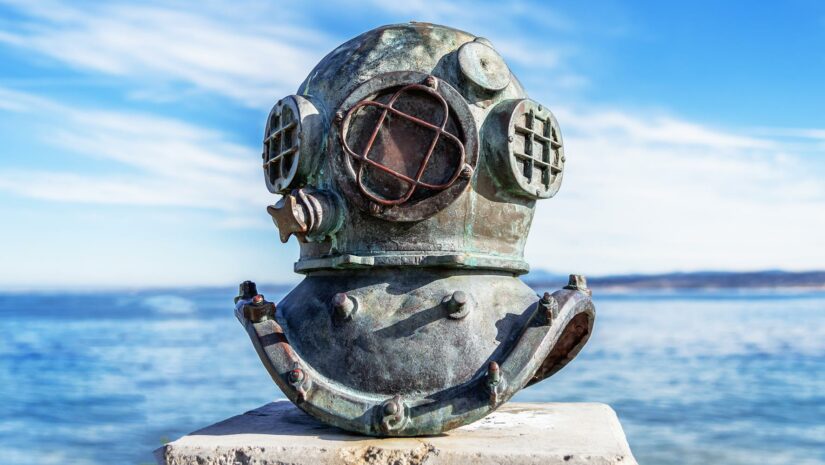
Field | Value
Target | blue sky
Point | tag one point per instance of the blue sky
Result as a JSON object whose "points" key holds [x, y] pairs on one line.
{"points": [[694, 131]]}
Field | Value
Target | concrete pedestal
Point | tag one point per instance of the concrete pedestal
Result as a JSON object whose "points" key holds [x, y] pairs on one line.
{"points": [[516, 434]]}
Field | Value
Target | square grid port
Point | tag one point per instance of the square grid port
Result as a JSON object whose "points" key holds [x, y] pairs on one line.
{"points": [[280, 148], [536, 147]]}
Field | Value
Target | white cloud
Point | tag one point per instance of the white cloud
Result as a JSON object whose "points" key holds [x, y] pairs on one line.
{"points": [[217, 50], [168, 162], [642, 192], [250, 53], [650, 194]]}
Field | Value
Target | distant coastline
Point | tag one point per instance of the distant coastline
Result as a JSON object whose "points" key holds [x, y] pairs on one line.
{"points": [[700, 280], [768, 280]]}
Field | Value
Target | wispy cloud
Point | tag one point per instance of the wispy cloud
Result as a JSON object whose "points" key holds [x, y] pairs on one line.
{"points": [[242, 57], [640, 193], [169, 162], [653, 193], [216, 49], [643, 191]]}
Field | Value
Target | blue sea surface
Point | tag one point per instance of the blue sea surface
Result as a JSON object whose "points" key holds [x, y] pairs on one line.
{"points": [[696, 378]]}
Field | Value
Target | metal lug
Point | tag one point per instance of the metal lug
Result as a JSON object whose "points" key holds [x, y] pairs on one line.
{"points": [[393, 415], [550, 306], [578, 282], [343, 306], [457, 304]]}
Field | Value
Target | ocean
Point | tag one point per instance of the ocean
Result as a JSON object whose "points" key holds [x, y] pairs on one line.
{"points": [[723, 377]]}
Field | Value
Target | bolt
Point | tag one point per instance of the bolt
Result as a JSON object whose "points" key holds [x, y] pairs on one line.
{"points": [[339, 116], [540, 107], [343, 305], [578, 282], [375, 208], [247, 289], [458, 299], [431, 82], [493, 374], [296, 376], [551, 306], [457, 305], [494, 386], [563, 159], [510, 138]]}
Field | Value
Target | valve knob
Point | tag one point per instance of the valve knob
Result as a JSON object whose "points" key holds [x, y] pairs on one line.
{"points": [[310, 214], [289, 218]]}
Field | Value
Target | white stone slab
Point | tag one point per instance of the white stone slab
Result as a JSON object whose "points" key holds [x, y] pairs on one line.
{"points": [[517, 434]]}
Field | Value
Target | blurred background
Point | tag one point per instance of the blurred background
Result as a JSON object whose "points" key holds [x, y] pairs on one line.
{"points": [[132, 203]]}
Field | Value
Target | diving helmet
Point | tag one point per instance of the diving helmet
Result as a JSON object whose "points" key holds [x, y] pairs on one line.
{"points": [[409, 164]]}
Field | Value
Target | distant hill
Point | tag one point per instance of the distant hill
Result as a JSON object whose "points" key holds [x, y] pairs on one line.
{"points": [[696, 280]]}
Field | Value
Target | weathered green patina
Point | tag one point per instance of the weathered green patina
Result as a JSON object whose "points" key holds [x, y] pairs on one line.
{"points": [[409, 166]]}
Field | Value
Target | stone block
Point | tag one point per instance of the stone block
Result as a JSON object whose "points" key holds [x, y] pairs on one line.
{"points": [[516, 434]]}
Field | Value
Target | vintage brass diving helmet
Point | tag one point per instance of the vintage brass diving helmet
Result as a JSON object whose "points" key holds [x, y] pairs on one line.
{"points": [[409, 164]]}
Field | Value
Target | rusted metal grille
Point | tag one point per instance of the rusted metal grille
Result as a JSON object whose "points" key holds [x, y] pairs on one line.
{"points": [[541, 148], [438, 132], [280, 146]]}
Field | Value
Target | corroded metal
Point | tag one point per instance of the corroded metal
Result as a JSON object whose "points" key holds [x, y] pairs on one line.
{"points": [[409, 166], [438, 132]]}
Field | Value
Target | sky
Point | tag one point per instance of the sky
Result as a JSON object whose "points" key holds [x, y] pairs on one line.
{"points": [[130, 133]]}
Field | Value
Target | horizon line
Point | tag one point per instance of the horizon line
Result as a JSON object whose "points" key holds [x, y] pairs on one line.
{"points": [[546, 274]]}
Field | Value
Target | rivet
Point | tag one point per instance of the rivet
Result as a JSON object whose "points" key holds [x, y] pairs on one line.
{"points": [[257, 309], [391, 408], [431, 82], [495, 384], [343, 305], [459, 299], [296, 375], [375, 209], [510, 138], [493, 374], [392, 416], [339, 116], [467, 172]]}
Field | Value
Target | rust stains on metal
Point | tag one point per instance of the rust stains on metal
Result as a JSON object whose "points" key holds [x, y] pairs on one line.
{"points": [[409, 167], [397, 152]]}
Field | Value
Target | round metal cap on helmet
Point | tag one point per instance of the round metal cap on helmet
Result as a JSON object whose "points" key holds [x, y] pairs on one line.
{"points": [[483, 66]]}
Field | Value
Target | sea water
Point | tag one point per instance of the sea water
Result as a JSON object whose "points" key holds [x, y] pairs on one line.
{"points": [[718, 378]]}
